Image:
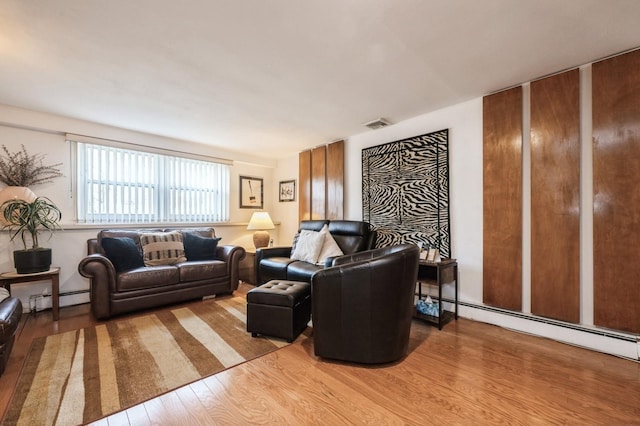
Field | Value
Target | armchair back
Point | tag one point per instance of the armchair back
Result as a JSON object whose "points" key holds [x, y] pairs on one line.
{"points": [[363, 305]]}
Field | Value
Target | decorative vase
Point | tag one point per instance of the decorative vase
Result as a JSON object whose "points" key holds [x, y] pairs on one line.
{"points": [[32, 261]]}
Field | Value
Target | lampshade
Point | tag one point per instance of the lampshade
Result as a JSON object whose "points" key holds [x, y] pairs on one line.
{"points": [[259, 222], [15, 193]]}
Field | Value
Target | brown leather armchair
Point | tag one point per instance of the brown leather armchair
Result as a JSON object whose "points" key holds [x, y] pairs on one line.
{"points": [[362, 306]]}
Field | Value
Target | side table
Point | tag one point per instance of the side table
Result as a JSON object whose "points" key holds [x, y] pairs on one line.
{"points": [[53, 274], [438, 274], [248, 267]]}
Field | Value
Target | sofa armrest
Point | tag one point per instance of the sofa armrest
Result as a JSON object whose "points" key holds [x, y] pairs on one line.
{"points": [[266, 252], [102, 274], [231, 255], [10, 313]]}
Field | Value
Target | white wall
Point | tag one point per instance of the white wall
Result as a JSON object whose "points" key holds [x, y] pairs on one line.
{"points": [[464, 122], [44, 134], [286, 212]]}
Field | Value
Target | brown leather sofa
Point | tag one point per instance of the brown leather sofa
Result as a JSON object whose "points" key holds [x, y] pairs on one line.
{"points": [[274, 263], [114, 293], [362, 306], [10, 313]]}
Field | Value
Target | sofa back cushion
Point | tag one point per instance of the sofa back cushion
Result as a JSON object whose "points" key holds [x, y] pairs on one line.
{"points": [[197, 247], [352, 236], [123, 253], [134, 234], [162, 248]]}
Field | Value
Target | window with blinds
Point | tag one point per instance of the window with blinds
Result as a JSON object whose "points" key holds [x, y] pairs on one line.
{"points": [[116, 185]]}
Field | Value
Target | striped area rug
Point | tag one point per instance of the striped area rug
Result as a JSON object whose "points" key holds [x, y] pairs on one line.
{"points": [[80, 376]]}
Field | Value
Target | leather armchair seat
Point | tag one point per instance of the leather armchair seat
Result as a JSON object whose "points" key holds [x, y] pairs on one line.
{"points": [[362, 306], [10, 313]]}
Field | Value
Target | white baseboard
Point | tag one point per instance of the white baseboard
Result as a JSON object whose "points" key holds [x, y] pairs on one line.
{"points": [[606, 341]]}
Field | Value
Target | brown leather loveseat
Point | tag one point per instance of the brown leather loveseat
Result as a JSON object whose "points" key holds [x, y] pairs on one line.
{"points": [[127, 277]]}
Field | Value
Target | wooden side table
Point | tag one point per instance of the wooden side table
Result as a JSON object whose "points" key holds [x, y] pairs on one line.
{"points": [[438, 274], [53, 274], [248, 267]]}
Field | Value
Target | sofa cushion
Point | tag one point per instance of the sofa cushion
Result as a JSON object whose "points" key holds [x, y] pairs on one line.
{"points": [[4, 293], [197, 247], [329, 247], [274, 268], [301, 271], [156, 276], [162, 248], [123, 252], [308, 246], [201, 270]]}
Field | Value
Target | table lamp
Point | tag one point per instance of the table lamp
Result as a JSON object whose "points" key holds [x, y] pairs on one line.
{"points": [[260, 222]]}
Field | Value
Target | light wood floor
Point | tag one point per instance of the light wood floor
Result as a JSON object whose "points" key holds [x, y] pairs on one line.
{"points": [[468, 373]]}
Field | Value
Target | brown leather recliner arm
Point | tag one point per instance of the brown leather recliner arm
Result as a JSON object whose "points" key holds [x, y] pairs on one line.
{"points": [[266, 252], [102, 275]]}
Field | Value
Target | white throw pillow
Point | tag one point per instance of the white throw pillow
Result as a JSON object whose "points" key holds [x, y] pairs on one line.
{"points": [[329, 248], [4, 293], [308, 246]]}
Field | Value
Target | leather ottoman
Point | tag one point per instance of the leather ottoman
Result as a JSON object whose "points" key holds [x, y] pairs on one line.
{"points": [[10, 313], [279, 308]]}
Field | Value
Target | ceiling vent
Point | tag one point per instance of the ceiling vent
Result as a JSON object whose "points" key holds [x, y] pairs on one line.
{"points": [[377, 123]]}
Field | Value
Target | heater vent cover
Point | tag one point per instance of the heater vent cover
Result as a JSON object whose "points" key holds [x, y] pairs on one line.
{"points": [[377, 123]]}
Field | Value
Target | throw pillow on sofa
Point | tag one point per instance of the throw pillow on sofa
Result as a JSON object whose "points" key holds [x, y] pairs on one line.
{"points": [[162, 248], [329, 247], [123, 253], [308, 246], [197, 247]]}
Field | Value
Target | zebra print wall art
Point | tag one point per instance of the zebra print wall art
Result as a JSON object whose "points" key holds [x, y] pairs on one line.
{"points": [[405, 191]]}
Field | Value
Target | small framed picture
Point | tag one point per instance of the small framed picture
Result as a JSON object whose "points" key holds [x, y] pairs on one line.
{"points": [[432, 255], [251, 192], [287, 190]]}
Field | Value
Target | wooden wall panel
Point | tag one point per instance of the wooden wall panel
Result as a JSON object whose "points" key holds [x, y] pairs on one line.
{"points": [[555, 197], [335, 180], [616, 187], [304, 185], [502, 199], [319, 182]]}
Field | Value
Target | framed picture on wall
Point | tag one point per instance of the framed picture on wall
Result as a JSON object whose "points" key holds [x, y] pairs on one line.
{"points": [[287, 190], [251, 192]]}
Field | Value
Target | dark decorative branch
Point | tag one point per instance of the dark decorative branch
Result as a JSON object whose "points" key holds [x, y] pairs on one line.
{"points": [[22, 169]]}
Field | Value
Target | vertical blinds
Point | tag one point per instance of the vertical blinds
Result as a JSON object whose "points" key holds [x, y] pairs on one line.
{"points": [[116, 185]]}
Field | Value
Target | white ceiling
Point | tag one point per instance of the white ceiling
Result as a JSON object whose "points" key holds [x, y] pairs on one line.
{"points": [[274, 77]]}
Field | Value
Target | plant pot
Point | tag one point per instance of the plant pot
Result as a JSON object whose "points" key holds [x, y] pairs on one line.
{"points": [[32, 261]]}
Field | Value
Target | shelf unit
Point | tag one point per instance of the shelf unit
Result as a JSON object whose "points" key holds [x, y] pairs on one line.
{"points": [[438, 274]]}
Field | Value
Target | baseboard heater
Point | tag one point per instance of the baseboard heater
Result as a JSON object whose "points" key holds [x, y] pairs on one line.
{"points": [[557, 323], [71, 293]]}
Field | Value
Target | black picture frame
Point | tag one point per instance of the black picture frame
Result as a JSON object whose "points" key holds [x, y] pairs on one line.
{"points": [[251, 192], [287, 191]]}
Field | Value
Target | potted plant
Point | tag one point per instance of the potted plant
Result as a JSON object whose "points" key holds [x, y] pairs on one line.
{"points": [[24, 213], [24, 217]]}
